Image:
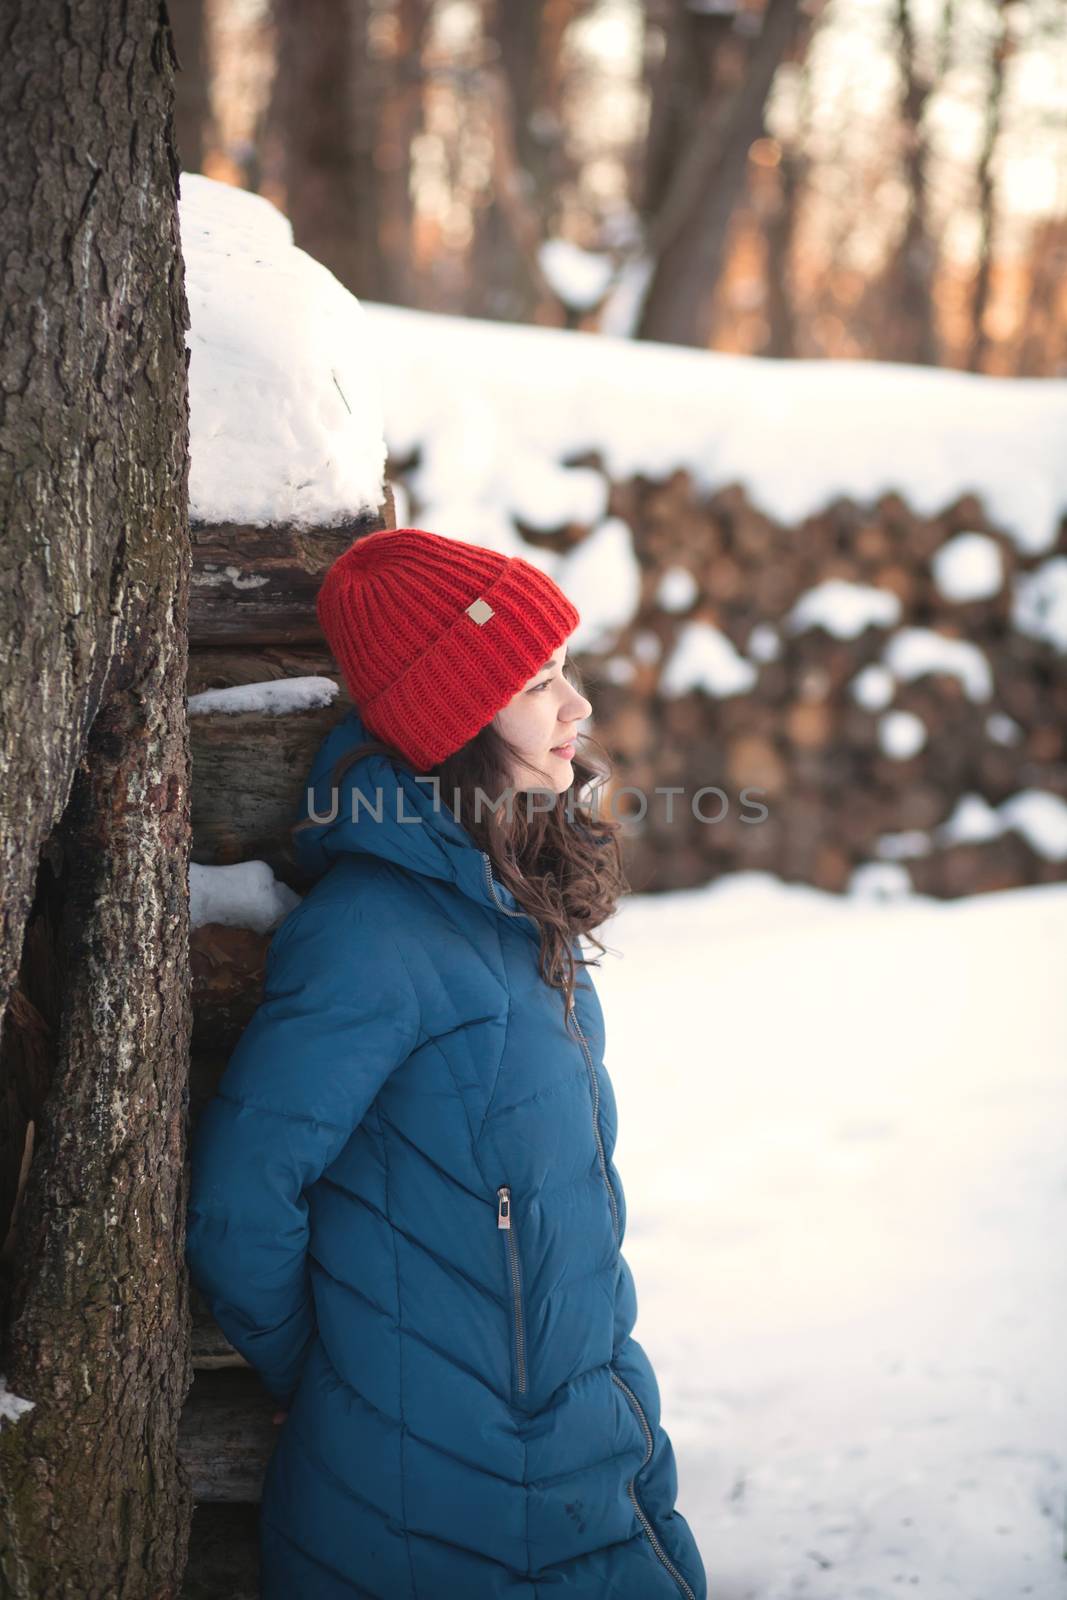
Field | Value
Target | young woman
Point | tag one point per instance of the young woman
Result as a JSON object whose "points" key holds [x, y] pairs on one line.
{"points": [[404, 1211]]}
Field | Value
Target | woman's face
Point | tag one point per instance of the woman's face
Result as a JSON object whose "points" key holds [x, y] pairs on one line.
{"points": [[539, 720]]}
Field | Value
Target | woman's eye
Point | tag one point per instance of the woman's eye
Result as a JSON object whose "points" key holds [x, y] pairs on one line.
{"points": [[539, 686]]}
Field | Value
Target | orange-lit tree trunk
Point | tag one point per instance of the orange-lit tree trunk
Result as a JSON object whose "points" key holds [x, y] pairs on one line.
{"points": [[908, 325], [980, 341], [348, 104], [524, 48], [700, 136]]}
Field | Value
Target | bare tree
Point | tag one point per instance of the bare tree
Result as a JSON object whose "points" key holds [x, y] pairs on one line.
{"points": [[906, 287], [192, 90], [1000, 50], [318, 107], [707, 110], [780, 231], [93, 802], [1042, 342], [395, 71], [523, 96], [348, 104]]}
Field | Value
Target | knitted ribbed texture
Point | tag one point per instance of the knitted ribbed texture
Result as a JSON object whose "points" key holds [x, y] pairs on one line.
{"points": [[425, 674]]}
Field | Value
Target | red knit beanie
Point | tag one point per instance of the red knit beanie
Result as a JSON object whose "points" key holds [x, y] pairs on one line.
{"points": [[434, 636]]}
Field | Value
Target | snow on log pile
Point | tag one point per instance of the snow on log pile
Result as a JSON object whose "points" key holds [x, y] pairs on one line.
{"points": [[833, 590], [287, 469], [287, 450]]}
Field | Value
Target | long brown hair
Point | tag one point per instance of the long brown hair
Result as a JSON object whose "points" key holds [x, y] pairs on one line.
{"points": [[562, 862]]}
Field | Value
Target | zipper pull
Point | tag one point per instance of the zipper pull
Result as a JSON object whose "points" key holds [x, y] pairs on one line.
{"points": [[503, 1207]]}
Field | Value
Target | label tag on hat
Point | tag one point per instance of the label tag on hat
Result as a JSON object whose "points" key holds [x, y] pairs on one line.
{"points": [[480, 611]]}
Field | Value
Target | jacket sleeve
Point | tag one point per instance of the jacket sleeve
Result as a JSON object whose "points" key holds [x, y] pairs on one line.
{"points": [[339, 1013]]}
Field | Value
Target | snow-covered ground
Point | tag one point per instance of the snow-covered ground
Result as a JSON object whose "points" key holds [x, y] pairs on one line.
{"points": [[841, 1138], [842, 1142]]}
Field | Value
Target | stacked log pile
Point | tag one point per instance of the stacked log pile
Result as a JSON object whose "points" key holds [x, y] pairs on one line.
{"points": [[798, 738], [252, 620]]}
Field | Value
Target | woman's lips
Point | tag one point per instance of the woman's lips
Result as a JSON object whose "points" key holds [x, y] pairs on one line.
{"points": [[564, 750]]}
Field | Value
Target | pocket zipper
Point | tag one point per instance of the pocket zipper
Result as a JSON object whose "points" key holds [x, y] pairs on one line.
{"points": [[642, 1515], [503, 1220]]}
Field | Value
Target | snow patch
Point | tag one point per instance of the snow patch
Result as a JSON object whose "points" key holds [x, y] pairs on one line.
{"points": [[279, 696], [244, 895], [913, 652], [704, 658], [479, 396], [969, 567], [285, 411], [844, 609], [12, 1406]]}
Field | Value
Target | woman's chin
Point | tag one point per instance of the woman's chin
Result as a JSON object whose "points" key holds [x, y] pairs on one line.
{"points": [[551, 781]]}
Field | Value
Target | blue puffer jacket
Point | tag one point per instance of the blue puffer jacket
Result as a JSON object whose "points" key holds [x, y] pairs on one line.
{"points": [[405, 1215]]}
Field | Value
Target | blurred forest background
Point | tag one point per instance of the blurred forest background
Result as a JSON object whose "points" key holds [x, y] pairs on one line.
{"points": [[848, 179]]}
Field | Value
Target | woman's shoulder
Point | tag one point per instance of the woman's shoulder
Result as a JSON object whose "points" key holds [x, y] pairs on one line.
{"points": [[367, 920], [364, 911], [341, 945], [357, 894]]}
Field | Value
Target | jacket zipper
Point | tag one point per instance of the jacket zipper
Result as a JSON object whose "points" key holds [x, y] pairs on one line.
{"points": [[503, 1220], [596, 1121], [492, 890], [645, 1522], [589, 1065]]}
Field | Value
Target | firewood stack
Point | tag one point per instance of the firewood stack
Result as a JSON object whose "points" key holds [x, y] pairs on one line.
{"points": [[252, 619], [798, 738]]}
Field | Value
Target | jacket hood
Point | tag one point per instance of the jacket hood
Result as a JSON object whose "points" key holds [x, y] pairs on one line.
{"points": [[382, 809]]}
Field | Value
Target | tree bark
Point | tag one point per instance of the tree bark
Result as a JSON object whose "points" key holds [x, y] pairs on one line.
{"points": [[93, 498], [192, 92], [986, 180], [689, 230], [908, 282], [316, 109], [346, 118], [525, 84]]}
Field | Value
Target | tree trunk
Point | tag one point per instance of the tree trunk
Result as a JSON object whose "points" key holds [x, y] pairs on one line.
{"points": [[524, 67], [1041, 350], [400, 75], [986, 180], [689, 231], [93, 498], [780, 230], [316, 108], [346, 117], [681, 86], [192, 96], [909, 323]]}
